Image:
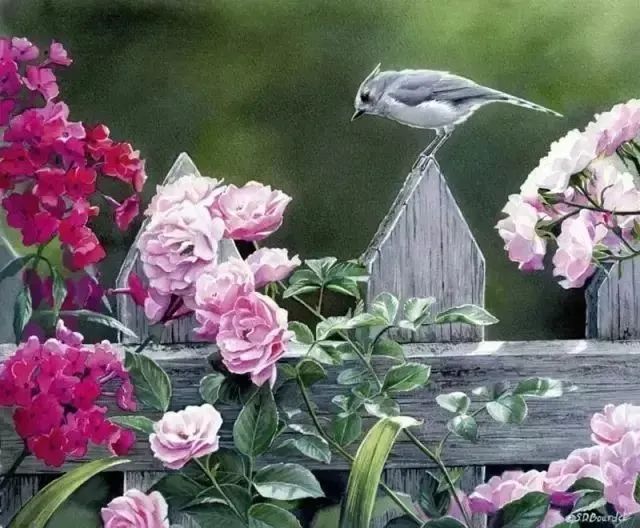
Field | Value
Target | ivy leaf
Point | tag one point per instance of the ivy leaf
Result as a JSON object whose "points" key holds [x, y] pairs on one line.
{"points": [[98, 318], [385, 306], [321, 267], [455, 402], [492, 392], [416, 311], [346, 427], [330, 326], [210, 387], [365, 320], [344, 287], [22, 311], [310, 372], [310, 446], [271, 516], [151, 382], [286, 482], [350, 269], [14, 266], [539, 388], [381, 406], [466, 313], [257, 424], [508, 409], [59, 291], [464, 426], [406, 377], [385, 347], [352, 376], [302, 332], [137, 423]]}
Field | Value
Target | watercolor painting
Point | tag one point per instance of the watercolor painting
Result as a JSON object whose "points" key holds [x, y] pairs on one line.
{"points": [[323, 264]]}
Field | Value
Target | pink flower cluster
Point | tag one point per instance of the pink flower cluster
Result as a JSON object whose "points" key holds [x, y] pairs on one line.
{"points": [[180, 254], [136, 509], [53, 388], [614, 461], [586, 186], [49, 165]]}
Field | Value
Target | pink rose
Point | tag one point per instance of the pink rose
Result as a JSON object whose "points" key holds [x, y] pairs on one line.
{"points": [[618, 192], [251, 212], [499, 491], [135, 509], [611, 425], [620, 467], [518, 231], [181, 436], [217, 291], [192, 189], [617, 126], [581, 463], [576, 242], [253, 336], [178, 246], [271, 265]]}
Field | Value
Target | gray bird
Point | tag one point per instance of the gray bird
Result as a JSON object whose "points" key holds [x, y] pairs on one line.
{"points": [[430, 99]]}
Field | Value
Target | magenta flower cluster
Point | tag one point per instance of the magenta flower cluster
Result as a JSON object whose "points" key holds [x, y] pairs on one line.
{"points": [[586, 185], [49, 165], [53, 387], [614, 460], [180, 250]]}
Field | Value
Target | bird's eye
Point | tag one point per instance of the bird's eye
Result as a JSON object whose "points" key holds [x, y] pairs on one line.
{"points": [[364, 97]]}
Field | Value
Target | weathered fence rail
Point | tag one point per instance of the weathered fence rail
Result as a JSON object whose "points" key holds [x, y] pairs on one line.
{"points": [[423, 247]]}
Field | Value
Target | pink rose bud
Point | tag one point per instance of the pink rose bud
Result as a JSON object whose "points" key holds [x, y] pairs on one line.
{"points": [[251, 212], [271, 265], [217, 292], [136, 509], [253, 337], [183, 435]]}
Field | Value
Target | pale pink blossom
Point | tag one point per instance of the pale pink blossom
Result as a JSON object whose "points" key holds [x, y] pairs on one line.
{"points": [[190, 189], [251, 212], [136, 509], [617, 126], [501, 490], [581, 463], [620, 467], [577, 240], [518, 230], [253, 336], [614, 422], [217, 292], [179, 245], [615, 190], [271, 265], [181, 436]]}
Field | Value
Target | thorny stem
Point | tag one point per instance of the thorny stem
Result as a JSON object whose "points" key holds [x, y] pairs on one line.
{"points": [[600, 209], [6, 477], [218, 488], [143, 345], [321, 295], [438, 461], [346, 455]]}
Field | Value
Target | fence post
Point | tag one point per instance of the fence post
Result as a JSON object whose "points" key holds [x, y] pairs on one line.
{"points": [[613, 302], [422, 248]]}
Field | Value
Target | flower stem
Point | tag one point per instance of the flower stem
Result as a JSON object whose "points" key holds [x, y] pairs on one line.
{"points": [[213, 480], [143, 345], [346, 455], [6, 477]]}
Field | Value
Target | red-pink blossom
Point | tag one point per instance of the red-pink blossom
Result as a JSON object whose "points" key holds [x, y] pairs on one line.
{"points": [[127, 211], [59, 55], [23, 50], [42, 80]]}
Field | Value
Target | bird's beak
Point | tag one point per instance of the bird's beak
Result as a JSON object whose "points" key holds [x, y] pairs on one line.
{"points": [[357, 114]]}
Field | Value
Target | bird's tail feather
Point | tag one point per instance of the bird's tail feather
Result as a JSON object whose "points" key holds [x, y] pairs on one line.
{"points": [[511, 99]]}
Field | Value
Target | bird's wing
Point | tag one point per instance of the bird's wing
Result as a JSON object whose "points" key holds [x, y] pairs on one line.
{"points": [[419, 86]]}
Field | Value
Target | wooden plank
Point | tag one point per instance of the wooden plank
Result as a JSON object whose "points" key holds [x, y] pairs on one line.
{"points": [[424, 247], [15, 495], [613, 302], [605, 372]]}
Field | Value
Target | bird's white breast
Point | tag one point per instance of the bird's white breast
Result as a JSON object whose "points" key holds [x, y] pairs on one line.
{"points": [[430, 114]]}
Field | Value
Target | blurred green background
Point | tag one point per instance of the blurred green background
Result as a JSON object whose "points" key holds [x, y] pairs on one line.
{"points": [[264, 89]]}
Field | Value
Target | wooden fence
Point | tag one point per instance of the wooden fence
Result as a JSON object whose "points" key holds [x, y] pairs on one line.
{"points": [[423, 247]]}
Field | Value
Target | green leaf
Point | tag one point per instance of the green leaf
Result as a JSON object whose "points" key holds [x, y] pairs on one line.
{"points": [[98, 318], [345, 287], [539, 388], [381, 406], [346, 428], [286, 482], [402, 522], [591, 500], [59, 290], [526, 512], [22, 312], [310, 446], [270, 516], [310, 372], [210, 387], [466, 313], [366, 470], [151, 382], [443, 522], [367, 320], [385, 347], [178, 489], [330, 326], [508, 409], [232, 495], [39, 509], [464, 426], [350, 269], [299, 289], [455, 402], [636, 489], [329, 516], [352, 376], [236, 390], [215, 515], [492, 392], [417, 311], [14, 266], [385, 306], [406, 377], [629, 522], [302, 332], [257, 424], [321, 267], [137, 423], [433, 501]]}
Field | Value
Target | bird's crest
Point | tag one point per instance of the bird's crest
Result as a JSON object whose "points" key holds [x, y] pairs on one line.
{"points": [[375, 72]]}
